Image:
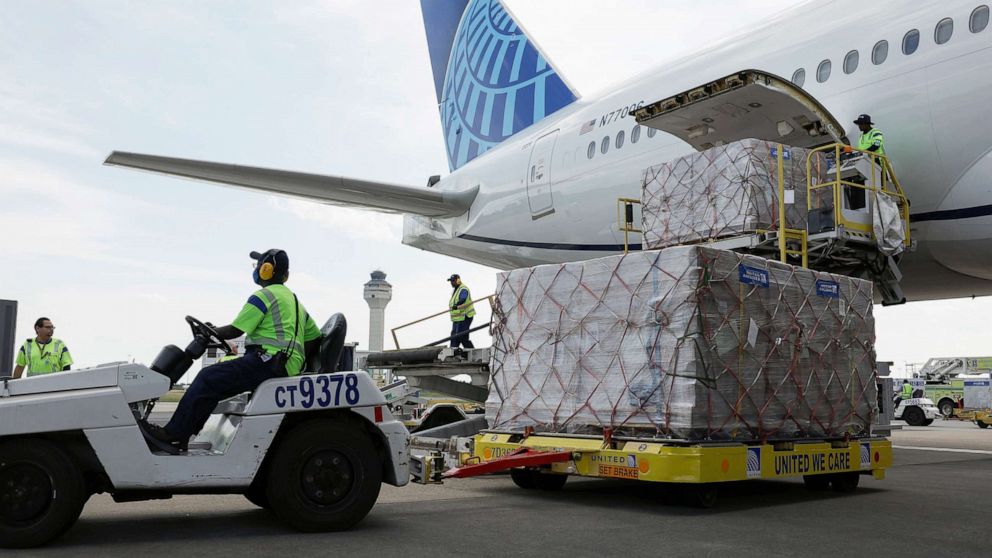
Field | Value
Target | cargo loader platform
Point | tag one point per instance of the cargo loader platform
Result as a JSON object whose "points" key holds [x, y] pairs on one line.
{"points": [[545, 461]]}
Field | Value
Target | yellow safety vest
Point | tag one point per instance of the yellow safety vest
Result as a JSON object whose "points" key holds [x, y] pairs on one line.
{"points": [[871, 138], [907, 391], [43, 359], [466, 311]]}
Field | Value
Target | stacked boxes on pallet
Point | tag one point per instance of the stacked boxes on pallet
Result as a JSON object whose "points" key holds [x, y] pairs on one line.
{"points": [[724, 191], [687, 343]]}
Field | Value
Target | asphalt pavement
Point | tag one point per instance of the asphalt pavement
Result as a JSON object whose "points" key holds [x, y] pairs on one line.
{"points": [[934, 501]]}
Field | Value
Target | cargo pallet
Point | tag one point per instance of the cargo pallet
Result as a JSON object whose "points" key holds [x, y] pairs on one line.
{"points": [[544, 461]]}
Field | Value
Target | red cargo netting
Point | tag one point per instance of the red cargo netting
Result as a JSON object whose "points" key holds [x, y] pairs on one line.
{"points": [[724, 191], [689, 343]]}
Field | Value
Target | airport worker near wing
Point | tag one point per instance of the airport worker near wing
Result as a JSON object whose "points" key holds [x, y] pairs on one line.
{"points": [[871, 137], [43, 354], [462, 311], [279, 333]]}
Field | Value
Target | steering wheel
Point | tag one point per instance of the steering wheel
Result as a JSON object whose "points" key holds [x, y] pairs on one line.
{"points": [[208, 333]]}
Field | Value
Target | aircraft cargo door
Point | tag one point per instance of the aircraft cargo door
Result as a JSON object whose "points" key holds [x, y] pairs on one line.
{"points": [[539, 176]]}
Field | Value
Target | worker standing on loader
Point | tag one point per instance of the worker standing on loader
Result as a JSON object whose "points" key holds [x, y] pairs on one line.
{"points": [[871, 137], [44, 354], [279, 333], [462, 311]]}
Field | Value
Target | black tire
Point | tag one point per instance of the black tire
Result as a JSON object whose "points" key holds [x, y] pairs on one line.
{"points": [[927, 422], [42, 493], [845, 482], [982, 424], [325, 476], [816, 483], [703, 496], [913, 416], [946, 407], [524, 478], [549, 481]]}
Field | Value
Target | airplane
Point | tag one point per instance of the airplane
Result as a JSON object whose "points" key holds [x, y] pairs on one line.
{"points": [[536, 170]]}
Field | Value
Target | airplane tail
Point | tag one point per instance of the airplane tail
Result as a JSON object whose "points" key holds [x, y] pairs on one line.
{"points": [[491, 79]]}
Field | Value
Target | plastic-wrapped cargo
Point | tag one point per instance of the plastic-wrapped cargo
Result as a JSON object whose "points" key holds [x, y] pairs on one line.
{"points": [[685, 343], [724, 191]]}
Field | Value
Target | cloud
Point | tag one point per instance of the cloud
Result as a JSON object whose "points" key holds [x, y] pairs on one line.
{"points": [[26, 122]]}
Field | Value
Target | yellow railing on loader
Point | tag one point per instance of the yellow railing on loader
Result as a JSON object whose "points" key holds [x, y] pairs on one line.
{"points": [[882, 181], [396, 340]]}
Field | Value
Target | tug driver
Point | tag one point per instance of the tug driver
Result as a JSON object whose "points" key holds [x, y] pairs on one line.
{"points": [[279, 333]]}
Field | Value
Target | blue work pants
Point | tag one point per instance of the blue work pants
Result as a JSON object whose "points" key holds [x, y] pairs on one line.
{"points": [[216, 383], [459, 333]]}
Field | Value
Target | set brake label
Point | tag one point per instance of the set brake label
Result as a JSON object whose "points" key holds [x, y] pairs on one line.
{"points": [[319, 391]]}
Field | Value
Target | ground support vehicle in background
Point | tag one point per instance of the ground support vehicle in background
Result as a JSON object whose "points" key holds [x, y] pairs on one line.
{"points": [[312, 448], [918, 411], [981, 417]]}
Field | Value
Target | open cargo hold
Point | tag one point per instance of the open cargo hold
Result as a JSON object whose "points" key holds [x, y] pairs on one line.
{"points": [[688, 343], [725, 191]]}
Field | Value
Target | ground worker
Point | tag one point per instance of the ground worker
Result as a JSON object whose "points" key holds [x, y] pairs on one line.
{"points": [[44, 354], [905, 393], [461, 310], [871, 137], [279, 333], [907, 390]]}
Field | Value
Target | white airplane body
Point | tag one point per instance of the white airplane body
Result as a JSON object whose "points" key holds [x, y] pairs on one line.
{"points": [[931, 104]]}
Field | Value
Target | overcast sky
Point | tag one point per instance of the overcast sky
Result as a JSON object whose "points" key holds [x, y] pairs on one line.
{"points": [[116, 258]]}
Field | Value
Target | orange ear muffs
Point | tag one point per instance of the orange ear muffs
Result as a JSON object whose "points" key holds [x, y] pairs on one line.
{"points": [[266, 271]]}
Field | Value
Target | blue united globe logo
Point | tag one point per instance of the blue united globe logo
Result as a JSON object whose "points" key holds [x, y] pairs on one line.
{"points": [[497, 83]]}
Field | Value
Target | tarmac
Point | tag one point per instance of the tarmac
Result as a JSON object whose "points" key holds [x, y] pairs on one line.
{"points": [[935, 499]]}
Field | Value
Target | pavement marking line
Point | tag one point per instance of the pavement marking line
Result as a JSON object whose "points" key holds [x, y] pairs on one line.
{"points": [[952, 450]]}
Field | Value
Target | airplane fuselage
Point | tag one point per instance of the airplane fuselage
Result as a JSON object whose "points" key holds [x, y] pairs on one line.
{"points": [[931, 104]]}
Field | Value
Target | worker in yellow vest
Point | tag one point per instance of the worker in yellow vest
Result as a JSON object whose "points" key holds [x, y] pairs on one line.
{"points": [[44, 353], [461, 310], [871, 138]]}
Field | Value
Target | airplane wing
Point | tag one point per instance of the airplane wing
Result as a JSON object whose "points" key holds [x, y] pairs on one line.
{"points": [[335, 190]]}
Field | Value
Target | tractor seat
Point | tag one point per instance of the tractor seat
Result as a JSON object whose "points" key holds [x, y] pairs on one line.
{"points": [[332, 337]]}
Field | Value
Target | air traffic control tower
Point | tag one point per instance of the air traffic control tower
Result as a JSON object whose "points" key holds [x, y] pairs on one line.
{"points": [[378, 293]]}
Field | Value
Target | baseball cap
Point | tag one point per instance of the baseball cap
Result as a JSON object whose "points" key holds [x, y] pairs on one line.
{"points": [[278, 257], [453, 277]]}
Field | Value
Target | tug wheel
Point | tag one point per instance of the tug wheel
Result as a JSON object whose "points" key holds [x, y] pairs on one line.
{"points": [[914, 416], [42, 493], [982, 424], [325, 476]]}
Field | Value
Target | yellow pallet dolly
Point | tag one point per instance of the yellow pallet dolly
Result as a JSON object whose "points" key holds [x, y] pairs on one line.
{"points": [[545, 461]]}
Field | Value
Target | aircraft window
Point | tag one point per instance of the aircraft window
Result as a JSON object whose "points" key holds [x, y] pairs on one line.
{"points": [[823, 71], [910, 42], [635, 134], [604, 146], [592, 150], [619, 139], [851, 62], [979, 19], [799, 78], [880, 52], [652, 132], [943, 31]]}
